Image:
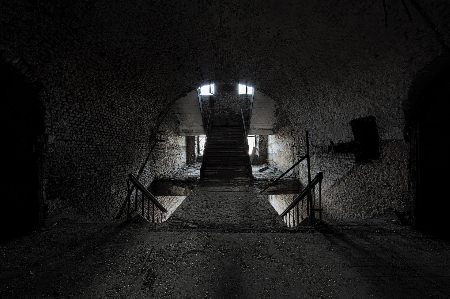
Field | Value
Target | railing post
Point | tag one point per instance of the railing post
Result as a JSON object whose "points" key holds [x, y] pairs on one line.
{"points": [[128, 199], [320, 199], [142, 205], [136, 200], [289, 221], [309, 201], [148, 209], [153, 212]]}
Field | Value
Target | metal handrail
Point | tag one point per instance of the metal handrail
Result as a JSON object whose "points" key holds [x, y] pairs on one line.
{"points": [[243, 122], [146, 193], [151, 200], [130, 190], [317, 179], [249, 164], [283, 174], [308, 192], [205, 150]]}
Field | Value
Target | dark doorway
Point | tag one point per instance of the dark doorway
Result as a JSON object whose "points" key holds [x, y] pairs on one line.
{"points": [[433, 148], [365, 132], [22, 123]]}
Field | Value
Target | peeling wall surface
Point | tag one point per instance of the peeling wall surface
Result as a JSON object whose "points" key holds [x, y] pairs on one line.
{"points": [[110, 73], [263, 118], [188, 114], [280, 151], [349, 189], [368, 190]]}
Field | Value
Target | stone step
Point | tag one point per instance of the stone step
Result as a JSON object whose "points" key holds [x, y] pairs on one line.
{"points": [[224, 173], [225, 155], [213, 159], [228, 154], [219, 134], [224, 163], [225, 140], [225, 136], [226, 130], [228, 167], [226, 146]]}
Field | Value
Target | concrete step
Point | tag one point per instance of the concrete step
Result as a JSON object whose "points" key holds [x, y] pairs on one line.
{"points": [[226, 141], [225, 167], [224, 173], [226, 146], [224, 158], [231, 130], [225, 155], [224, 163], [229, 155], [225, 135]]}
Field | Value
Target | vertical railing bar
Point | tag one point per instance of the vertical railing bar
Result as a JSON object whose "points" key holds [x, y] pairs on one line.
{"points": [[136, 200], [296, 216], [290, 218], [293, 217], [320, 200], [142, 205], [153, 212], [314, 201], [308, 160], [148, 209], [129, 199]]}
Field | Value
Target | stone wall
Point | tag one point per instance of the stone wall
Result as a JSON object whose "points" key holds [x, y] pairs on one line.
{"points": [[281, 151], [370, 189], [349, 189], [92, 151], [111, 71]]}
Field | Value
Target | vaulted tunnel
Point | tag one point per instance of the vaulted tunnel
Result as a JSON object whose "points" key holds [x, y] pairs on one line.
{"points": [[93, 91], [109, 94]]}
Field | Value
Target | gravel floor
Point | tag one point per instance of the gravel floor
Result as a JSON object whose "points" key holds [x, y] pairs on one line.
{"points": [[192, 258], [234, 204]]}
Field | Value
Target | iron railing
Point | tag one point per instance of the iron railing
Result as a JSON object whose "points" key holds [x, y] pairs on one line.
{"points": [[282, 175], [249, 165], [147, 206], [153, 141], [205, 149], [297, 211]]}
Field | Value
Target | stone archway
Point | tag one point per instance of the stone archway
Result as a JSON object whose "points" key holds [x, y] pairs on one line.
{"points": [[427, 119], [22, 130]]}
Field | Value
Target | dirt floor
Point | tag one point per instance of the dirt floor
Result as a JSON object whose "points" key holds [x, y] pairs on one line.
{"points": [[73, 257], [360, 259]]}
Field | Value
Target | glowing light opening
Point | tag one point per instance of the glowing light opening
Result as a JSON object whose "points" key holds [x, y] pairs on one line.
{"points": [[201, 144], [242, 89], [207, 90], [251, 143]]}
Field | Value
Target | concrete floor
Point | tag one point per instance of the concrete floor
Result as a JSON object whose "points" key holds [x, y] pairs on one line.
{"points": [[225, 243]]}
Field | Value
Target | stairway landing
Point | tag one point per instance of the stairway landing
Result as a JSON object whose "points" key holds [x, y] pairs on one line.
{"points": [[226, 204]]}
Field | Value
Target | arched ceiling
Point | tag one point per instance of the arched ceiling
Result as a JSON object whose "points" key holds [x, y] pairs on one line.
{"points": [[293, 51]]}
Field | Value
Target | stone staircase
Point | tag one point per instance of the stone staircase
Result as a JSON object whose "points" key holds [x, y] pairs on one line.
{"points": [[226, 153]]}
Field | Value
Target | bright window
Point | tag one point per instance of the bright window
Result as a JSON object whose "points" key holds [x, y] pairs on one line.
{"points": [[207, 90], [251, 143], [201, 140], [245, 89]]}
